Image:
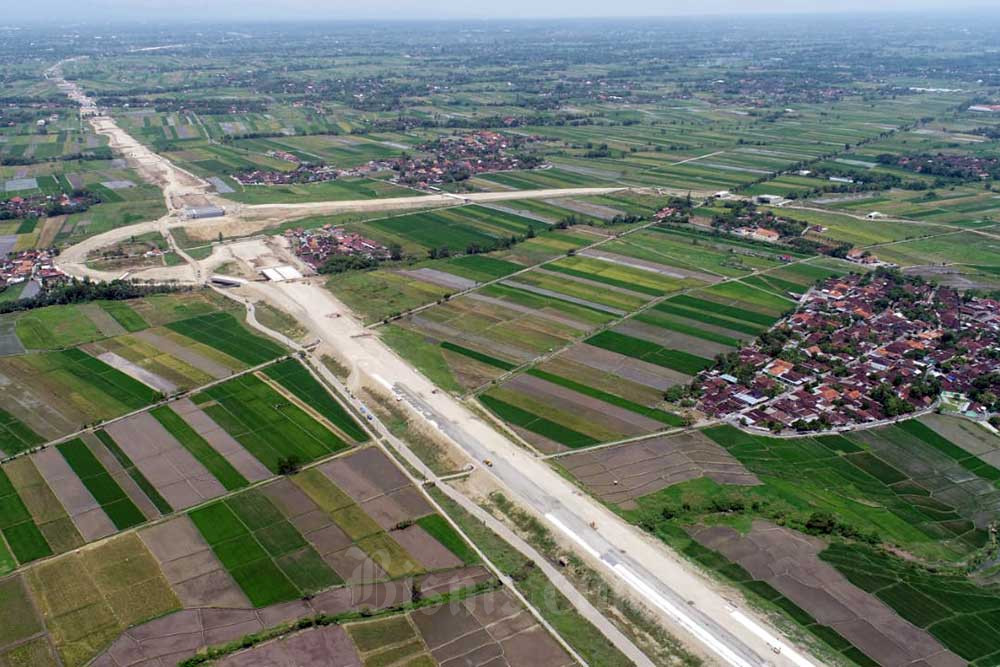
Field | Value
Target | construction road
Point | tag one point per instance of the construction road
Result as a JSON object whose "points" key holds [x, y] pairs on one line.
{"points": [[689, 603]]}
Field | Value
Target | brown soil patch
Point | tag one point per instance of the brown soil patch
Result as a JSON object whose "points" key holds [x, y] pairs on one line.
{"points": [[190, 567], [621, 474], [789, 561], [179, 477], [428, 552], [634, 370], [390, 510], [365, 474], [83, 510], [319, 647], [245, 462], [487, 629]]}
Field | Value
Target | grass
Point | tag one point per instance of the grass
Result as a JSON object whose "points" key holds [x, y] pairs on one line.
{"points": [[659, 415], [123, 314], [295, 377], [266, 423], [480, 268], [55, 327], [112, 499], [224, 333], [536, 424], [126, 463], [441, 530], [15, 435], [682, 362], [214, 462], [424, 355]]}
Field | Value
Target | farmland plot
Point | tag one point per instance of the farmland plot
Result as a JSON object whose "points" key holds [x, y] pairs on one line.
{"points": [[267, 424]]}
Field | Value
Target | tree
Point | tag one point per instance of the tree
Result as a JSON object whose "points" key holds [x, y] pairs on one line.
{"points": [[289, 465]]}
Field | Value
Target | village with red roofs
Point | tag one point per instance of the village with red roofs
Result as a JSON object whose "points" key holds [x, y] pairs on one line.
{"points": [[862, 349]]}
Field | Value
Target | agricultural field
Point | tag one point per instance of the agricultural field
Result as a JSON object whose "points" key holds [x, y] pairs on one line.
{"points": [[839, 509], [348, 534], [75, 365]]}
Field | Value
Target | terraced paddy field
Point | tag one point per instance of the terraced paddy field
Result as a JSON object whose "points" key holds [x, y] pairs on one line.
{"points": [[860, 539], [350, 534]]}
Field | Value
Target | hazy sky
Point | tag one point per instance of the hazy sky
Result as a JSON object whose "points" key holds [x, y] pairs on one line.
{"points": [[236, 10]]}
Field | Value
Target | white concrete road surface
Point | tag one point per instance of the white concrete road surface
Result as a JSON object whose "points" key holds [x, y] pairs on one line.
{"points": [[690, 604]]}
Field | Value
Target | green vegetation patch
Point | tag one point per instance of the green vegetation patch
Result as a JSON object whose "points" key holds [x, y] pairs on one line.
{"points": [[110, 381], [295, 377], [478, 356], [968, 461], [123, 314], [270, 426], [682, 362], [213, 461], [671, 308], [480, 268], [266, 555], [959, 613], [112, 499], [438, 528], [18, 619], [19, 530], [734, 312], [871, 500], [224, 333], [15, 435], [375, 635], [536, 424]]}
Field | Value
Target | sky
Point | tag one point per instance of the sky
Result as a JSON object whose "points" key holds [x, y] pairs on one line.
{"points": [[237, 10]]}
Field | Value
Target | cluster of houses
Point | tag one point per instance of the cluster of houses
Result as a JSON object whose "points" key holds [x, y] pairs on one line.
{"points": [[28, 265], [861, 349], [456, 158], [948, 166], [303, 173], [36, 206], [316, 246]]}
